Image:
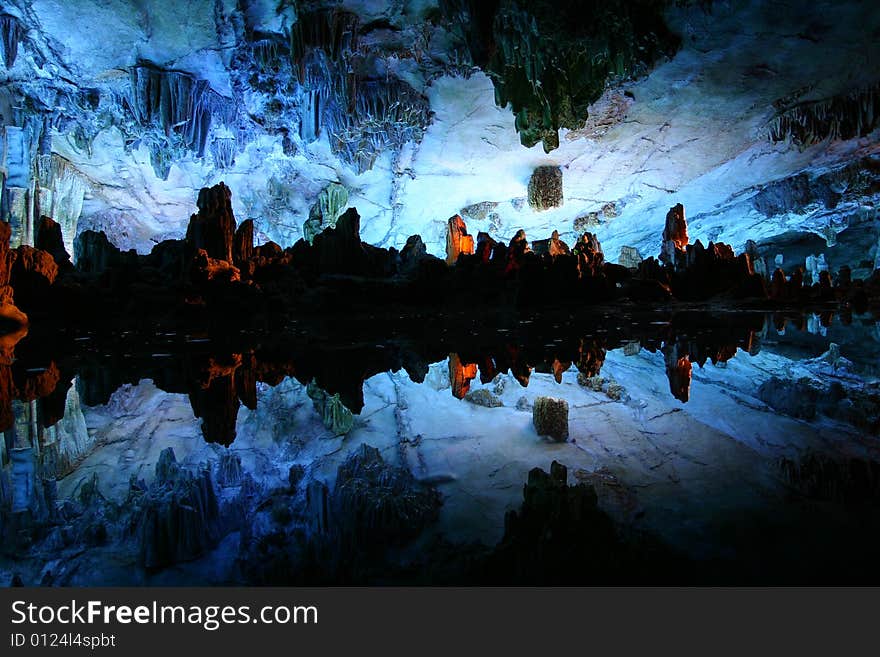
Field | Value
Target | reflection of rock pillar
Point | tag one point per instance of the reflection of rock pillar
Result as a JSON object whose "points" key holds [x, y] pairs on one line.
{"points": [[678, 370], [67, 442], [460, 376], [19, 190], [217, 405], [24, 475], [591, 357]]}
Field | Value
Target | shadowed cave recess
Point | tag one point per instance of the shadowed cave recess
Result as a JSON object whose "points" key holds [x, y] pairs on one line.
{"points": [[439, 292]]}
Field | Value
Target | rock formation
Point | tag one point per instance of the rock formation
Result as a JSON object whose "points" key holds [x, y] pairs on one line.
{"points": [[549, 64], [331, 203], [550, 418], [180, 516], [545, 188], [335, 416], [675, 235], [49, 239], [458, 241], [629, 257], [9, 313], [213, 228]]}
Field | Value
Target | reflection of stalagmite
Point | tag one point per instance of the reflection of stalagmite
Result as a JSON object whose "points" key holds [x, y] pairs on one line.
{"points": [[678, 370], [179, 515], [9, 313], [591, 358], [334, 414], [215, 400], [461, 375], [559, 368], [519, 367], [457, 240]]}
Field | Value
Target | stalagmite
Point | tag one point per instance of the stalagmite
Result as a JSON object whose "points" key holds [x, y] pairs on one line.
{"points": [[329, 206], [675, 234], [49, 239], [458, 241], [213, 228]]}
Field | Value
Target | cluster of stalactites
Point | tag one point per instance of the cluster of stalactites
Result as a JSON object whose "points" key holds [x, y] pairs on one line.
{"points": [[386, 114], [181, 107], [331, 30], [363, 117], [852, 114], [11, 35], [549, 63]]}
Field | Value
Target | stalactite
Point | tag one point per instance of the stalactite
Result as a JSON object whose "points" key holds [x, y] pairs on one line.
{"points": [[855, 113], [223, 150], [333, 31], [386, 115], [267, 53], [549, 63], [364, 117], [178, 105], [11, 33], [18, 189], [61, 191]]}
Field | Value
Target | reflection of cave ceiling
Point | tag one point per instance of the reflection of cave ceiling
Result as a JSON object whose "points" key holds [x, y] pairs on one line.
{"points": [[759, 117]]}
